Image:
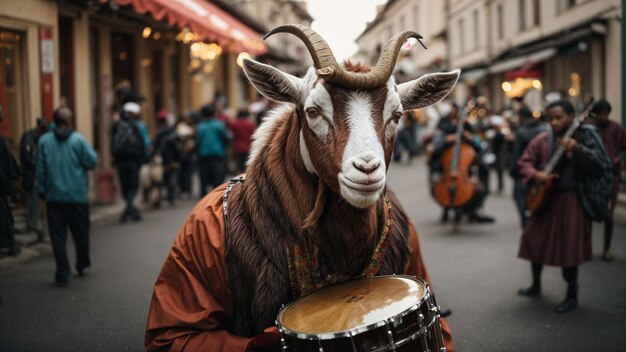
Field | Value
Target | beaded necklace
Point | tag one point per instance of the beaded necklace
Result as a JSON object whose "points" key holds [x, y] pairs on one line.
{"points": [[305, 273]]}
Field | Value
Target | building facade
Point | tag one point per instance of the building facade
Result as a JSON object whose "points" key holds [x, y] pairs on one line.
{"points": [[510, 48], [422, 16], [285, 51], [536, 49], [177, 55]]}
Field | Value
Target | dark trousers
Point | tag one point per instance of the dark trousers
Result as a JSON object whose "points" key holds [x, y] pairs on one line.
{"points": [[570, 275], [7, 236], [212, 172], [519, 195], [128, 172], [169, 183], [76, 217], [184, 175]]}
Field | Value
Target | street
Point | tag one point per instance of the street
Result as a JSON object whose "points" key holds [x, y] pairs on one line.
{"points": [[475, 271]]}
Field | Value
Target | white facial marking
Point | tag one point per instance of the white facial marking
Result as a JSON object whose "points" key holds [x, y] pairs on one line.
{"points": [[362, 176], [320, 99], [392, 105], [306, 158]]}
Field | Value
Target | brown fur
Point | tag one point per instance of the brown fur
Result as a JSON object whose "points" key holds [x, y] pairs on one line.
{"points": [[356, 67], [280, 200]]}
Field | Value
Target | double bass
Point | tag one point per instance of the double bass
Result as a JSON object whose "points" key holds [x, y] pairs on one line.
{"points": [[454, 188]]}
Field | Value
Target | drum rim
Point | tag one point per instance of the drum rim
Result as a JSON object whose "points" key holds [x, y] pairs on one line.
{"points": [[359, 329]]}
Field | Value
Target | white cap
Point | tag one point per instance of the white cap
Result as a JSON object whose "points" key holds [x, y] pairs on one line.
{"points": [[497, 120], [132, 107]]}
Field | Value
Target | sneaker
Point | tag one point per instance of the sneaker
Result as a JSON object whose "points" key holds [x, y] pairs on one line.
{"points": [[567, 305]]}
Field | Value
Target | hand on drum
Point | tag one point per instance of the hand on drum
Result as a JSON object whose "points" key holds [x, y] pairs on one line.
{"points": [[269, 340]]}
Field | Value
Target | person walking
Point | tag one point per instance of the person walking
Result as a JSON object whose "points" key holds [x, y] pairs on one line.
{"points": [[167, 149], [63, 159], [242, 128], [8, 175], [212, 139], [614, 140], [561, 234], [185, 130], [28, 163], [129, 150], [529, 128]]}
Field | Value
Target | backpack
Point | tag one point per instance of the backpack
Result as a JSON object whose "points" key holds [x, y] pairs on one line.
{"points": [[127, 142], [595, 189]]}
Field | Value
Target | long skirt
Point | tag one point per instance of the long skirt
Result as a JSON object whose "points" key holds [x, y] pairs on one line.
{"points": [[560, 235]]}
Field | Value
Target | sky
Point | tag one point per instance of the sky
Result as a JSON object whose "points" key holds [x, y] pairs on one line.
{"points": [[340, 22]]}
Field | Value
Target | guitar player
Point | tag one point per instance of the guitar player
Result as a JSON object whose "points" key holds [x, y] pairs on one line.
{"points": [[560, 235]]}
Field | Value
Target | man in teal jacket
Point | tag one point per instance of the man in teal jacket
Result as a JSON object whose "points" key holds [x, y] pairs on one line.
{"points": [[63, 158], [212, 138]]}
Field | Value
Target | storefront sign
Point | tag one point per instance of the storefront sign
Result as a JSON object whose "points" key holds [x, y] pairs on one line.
{"points": [[47, 56], [47, 69]]}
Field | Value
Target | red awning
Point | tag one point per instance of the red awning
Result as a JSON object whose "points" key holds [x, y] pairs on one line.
{"points": [[512, 75], [208, 21], [529, 70]]}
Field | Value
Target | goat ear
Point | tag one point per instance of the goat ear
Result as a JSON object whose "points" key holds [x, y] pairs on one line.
{"points": [[273, 83], [427, 89]]}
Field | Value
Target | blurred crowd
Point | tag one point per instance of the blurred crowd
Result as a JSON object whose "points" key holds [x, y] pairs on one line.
{"points": [[211, 142], [185, 157]]}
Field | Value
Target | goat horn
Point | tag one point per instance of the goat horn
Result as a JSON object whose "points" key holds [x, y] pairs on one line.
{"points": [[387, 60], [327, 66], [323, 57]]}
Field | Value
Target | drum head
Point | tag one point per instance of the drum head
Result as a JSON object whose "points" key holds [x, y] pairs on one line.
{"points": [[352, 305]]}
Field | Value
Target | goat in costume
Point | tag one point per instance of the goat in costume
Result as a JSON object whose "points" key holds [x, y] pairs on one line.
{"points": [[313, 210]]}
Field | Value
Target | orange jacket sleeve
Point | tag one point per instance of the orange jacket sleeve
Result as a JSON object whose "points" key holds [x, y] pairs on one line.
{"points": [[191, 302], [415, 267]]}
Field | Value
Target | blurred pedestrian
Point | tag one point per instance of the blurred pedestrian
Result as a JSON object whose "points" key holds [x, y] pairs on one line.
{"points": [[129, 150], [63, 158], [242, 129], [406, 140], [186, 135], [560, 235], [167, 148], [528, 129], [28, 162], [614, 140], [212, 139], [8, 175]]}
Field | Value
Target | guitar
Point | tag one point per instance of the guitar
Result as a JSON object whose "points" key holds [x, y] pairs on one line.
{"points": [[538, 195]]}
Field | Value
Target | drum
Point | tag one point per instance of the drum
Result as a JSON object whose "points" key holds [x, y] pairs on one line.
{"points": [[384, 313]]}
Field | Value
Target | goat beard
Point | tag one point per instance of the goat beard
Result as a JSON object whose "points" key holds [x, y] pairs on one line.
{"points": [[345, 235]]}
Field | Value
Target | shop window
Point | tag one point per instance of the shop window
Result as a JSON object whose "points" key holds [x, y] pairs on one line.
{"points": [[521, 7], [66, 62], [461, 35], [500, 13], [564, 5], [476, 29], [11, 96], [123, 58]]}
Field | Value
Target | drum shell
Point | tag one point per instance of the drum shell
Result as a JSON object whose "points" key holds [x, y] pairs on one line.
{"points": [[418, 329]]}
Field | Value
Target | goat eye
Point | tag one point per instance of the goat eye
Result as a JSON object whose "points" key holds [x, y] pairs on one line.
{"points": [[397, 115], [312, 112]]}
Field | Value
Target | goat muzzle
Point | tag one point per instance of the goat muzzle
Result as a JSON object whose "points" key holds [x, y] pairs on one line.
{"points": [[328, 68]]}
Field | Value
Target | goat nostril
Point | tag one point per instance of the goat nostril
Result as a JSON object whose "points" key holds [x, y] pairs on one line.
{"points": [[366, 168]]}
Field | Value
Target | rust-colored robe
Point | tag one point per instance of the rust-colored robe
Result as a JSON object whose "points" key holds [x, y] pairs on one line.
{"points": [[191, 301]]}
